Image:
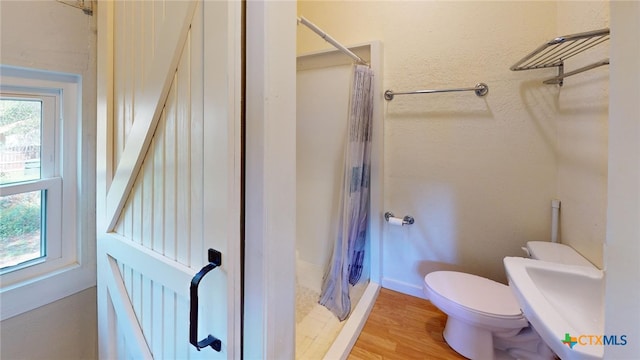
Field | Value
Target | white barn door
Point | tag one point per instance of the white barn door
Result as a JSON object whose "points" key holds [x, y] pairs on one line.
{"points": [[168, 189]]}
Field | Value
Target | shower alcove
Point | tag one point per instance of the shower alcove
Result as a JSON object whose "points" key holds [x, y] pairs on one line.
{"points": [[322, 102]]}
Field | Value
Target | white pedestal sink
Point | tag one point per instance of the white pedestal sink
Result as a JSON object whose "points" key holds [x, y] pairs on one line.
{"points": [[564, 303]]}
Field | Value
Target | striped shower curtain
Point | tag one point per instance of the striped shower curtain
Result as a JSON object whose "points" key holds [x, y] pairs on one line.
{"points": [[348, 253]]}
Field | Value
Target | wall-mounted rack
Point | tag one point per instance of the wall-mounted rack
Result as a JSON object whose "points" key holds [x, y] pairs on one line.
{"points": [[554, 52]]}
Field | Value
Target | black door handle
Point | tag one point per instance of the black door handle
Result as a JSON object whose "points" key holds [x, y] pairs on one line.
{"points": [[215, 260]]}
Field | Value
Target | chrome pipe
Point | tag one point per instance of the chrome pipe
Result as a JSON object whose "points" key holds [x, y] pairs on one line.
{"points": [[558, 79], [481, 89]]}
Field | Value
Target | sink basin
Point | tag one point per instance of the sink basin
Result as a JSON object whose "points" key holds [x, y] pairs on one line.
{"points": [[564, 303]]}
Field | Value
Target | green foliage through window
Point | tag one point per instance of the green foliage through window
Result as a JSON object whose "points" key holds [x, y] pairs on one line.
{"points": [[20, 225]]}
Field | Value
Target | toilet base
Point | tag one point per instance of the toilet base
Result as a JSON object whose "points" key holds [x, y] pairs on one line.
{"points": [[474, 342], [467, 340]]}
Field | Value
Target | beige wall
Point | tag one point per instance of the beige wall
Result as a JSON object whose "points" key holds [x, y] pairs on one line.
{"points": [[478, 174], [52, 36], [581, 107], [65, 329]]}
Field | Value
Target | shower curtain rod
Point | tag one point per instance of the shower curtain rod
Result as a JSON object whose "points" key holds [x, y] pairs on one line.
{"points": [[330, 40]]}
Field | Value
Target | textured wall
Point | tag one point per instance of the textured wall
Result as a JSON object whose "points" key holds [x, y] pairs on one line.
{"points": [[477, 174], [582, 106], [52, 36]]}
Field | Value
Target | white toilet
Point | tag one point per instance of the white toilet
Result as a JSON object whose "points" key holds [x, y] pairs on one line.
{"points": [[484, 318]]}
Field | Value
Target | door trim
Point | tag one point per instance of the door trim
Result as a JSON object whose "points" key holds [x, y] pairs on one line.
{"points": [[269, 302]]}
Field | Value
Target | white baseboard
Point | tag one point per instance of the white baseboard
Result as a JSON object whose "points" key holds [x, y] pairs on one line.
{"points": [[404, 288]]}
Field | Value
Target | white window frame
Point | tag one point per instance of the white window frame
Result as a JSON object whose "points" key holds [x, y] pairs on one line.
{"points": [[67, 268], [50, 185]]}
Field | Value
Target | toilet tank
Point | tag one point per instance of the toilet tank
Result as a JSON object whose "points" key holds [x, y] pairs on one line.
{"points": [[555, 252]]}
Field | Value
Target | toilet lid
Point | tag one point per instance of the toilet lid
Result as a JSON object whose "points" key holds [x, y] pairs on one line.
{"points": [[474, 293]]}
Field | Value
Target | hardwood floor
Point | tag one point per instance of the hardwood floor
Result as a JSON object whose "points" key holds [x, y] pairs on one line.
{"points": [[403, 327]]}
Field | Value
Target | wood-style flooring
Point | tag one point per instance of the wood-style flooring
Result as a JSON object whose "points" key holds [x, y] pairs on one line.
{"points": [[403, 327]]}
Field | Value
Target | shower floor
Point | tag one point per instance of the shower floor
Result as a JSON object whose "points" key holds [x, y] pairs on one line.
{"points": [[317, 327]]}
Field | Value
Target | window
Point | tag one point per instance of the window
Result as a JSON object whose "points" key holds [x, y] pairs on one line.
{"points": [[29, 178], [40, 242]]}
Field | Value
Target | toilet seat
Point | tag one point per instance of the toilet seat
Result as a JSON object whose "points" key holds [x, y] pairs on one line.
{"points": [[474, 299]]}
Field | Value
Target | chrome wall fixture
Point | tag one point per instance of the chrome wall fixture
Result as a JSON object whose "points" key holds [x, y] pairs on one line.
{"points": [[481, 89], [406, 220], [554, 52], [562, 75]]}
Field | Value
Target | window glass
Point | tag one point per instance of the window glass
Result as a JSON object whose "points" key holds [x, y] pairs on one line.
{"points": [[20, 140], [21, 235], [22, 212]]}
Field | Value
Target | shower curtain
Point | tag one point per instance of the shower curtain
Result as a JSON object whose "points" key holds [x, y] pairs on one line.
{"points": [[348, 253]]}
